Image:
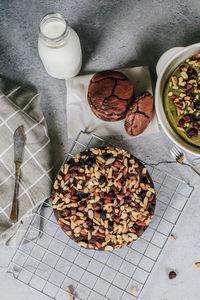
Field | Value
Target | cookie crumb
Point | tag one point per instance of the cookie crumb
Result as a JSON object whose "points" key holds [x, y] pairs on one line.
{"points": [[172, 237], [134, 290], [71, 297], [197, 264]]}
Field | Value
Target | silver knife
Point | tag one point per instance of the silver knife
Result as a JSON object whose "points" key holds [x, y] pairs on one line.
{"points": [[19, 142]]}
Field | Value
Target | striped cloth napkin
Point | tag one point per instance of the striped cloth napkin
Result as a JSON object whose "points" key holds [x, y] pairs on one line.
{"points": [[19, 105]]}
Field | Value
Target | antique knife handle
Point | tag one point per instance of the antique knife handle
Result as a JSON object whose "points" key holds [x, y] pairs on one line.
{"points": [[14, 211]]}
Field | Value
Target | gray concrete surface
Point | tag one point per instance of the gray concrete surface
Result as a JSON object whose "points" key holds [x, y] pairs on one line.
{"points": [[113, 34]]}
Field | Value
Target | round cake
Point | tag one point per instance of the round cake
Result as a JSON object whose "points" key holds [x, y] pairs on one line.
{"points": [[109, 95], [103, 198]]}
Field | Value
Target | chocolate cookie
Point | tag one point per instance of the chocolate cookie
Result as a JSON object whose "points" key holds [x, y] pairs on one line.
{"points": [[109, 95], [103, 198], [139, 114]]}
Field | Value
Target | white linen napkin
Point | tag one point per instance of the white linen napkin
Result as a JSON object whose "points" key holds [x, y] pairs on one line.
{"points": [[80, 117]]}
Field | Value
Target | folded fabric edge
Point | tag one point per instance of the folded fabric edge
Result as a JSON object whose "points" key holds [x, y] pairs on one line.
{"points": [[7, 236]]}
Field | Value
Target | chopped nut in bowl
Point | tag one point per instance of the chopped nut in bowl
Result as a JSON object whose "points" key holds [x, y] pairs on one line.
{"points": [[181, 100], [103, 198], [177, 95]]}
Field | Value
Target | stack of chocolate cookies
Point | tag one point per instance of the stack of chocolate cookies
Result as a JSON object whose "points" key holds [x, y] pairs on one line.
{"points": [[111, 98]]}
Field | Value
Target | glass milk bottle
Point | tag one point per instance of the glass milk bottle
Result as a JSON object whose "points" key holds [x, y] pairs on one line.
{"points": [[59, 47]]}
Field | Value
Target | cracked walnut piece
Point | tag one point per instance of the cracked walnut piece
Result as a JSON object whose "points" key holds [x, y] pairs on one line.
{"points": [[103, 198]]}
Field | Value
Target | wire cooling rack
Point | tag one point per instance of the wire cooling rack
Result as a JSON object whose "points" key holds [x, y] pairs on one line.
{"points": [[53, 261]]}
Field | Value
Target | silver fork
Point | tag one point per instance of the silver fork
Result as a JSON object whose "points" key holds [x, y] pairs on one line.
{"points": [[180, 157]]}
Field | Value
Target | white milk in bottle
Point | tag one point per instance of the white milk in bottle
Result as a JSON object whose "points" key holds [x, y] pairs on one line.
{"points": [[59, 47]]}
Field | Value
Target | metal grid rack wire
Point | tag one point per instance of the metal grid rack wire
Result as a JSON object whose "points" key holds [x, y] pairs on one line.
{"points": [[52, 261]]}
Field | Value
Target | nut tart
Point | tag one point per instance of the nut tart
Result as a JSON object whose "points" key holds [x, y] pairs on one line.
{"points": [[103, 198]]}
